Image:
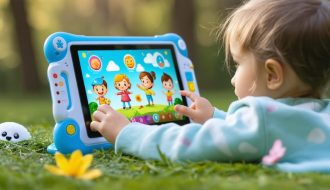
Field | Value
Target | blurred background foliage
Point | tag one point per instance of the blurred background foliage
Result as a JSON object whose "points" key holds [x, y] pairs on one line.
{"points": [[25, 24]]}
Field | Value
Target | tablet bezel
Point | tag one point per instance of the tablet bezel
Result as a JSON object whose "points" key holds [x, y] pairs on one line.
{"points": [[81, 86]]}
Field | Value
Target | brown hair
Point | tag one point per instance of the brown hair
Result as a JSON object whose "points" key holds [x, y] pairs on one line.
{"points": [[151, 76], [293, 32], [166, 77], [119, 78]]}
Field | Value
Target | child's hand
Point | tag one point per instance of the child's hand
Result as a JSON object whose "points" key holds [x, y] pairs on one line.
{"points": [[108, 122], [200, 110]]}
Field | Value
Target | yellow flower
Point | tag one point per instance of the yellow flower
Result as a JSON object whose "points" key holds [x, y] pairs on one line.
{"points": [[75, 167], [138, 98]]}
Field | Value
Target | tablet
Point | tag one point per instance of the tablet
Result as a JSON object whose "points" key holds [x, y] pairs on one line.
{"points": [[140, 81], [140, 77]]}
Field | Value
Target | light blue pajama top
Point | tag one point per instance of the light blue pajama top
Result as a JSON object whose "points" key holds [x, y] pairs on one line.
{"points": [[245, 133]]}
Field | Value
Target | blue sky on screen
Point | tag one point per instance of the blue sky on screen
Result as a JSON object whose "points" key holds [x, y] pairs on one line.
{"points": [[111, 62]]}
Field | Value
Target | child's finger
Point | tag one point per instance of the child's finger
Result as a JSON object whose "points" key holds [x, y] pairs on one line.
{"points": [[105, 108], [183, 110], [190, 95], [95, 125], [192, 106], [98, 115]]}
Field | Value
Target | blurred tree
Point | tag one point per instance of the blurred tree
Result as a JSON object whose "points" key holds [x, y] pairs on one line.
{"points": [[227, 6], [28, 65], [183, 22], [102, 8], [111, 18], [115, 17], [230, 4]]}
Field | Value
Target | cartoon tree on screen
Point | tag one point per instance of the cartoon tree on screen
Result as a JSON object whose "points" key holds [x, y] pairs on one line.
{"points": [[92, 107], [178, 101]]}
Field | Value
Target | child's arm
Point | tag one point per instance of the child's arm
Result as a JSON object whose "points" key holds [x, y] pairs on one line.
{"points": [[240, 136], [219, 114], [140, 87]]}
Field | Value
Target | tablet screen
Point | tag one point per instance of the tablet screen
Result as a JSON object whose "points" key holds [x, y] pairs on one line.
{"points": [[142, 82]]}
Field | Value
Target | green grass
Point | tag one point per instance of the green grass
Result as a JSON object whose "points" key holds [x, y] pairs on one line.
{"points": [[137, 111], [21, 164]]}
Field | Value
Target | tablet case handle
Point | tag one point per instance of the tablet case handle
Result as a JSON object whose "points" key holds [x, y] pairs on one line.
{"points": [[58, 81]]}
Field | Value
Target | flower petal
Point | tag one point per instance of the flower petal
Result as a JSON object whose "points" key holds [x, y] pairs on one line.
{"points": [[61, 161], [86, 162], [55, 170], [75, 162], [75, 156], [91, 174]]}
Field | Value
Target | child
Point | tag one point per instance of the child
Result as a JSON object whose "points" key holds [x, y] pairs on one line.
{"points": [[167, 83], [122, 84], [147, 80], [100, 88], [281, 50]]}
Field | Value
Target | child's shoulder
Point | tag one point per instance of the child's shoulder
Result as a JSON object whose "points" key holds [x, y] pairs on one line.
{"points": [[268, 104], [251, 101]]}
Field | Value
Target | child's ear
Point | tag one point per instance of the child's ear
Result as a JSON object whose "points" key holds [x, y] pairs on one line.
{"points": [[275, 74]]}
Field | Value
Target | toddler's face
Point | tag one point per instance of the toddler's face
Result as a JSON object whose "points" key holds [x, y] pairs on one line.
{"points": [[122, 85], [146, 82], [100, 90], [248, 79], [168, 85]]}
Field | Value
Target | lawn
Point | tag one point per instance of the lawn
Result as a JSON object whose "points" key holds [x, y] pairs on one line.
{"points": [[22, 164]]}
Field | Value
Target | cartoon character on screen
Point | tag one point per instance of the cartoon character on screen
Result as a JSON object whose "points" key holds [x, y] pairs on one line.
{"points": [[147, 82], [167, 83], [100, 88], [122, 84]]}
